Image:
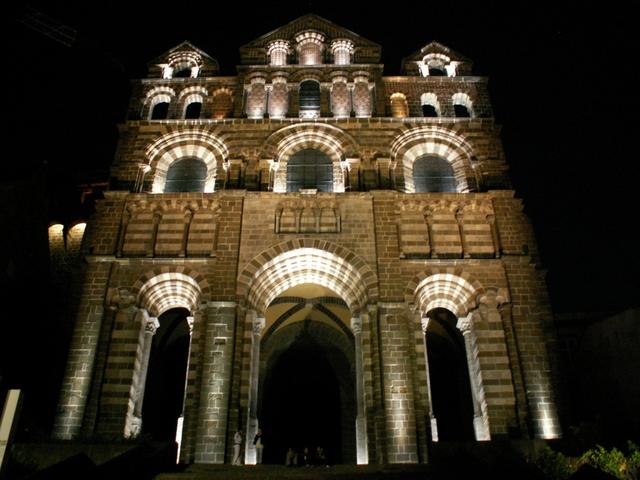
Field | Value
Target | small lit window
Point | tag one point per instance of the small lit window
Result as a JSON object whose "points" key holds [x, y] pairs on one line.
{"points": [[160, 111], [309, 99], [310, 169], [193, 110], [429, 111], [433, 174], [182, 72], [461, 111], [186, 175]]}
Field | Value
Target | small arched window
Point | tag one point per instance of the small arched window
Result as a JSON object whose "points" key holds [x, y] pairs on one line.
{"points": [[433, 174], [186, 175], [461, 111], [310, 169], [309, 99], [182, 71], [430, 105], [399, 107], [429, 111], [160, 111], [437, 70], [193, 110], [462, 105]]}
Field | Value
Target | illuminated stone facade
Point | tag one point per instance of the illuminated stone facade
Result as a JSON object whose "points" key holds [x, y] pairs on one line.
{"points": [[396, 255]]}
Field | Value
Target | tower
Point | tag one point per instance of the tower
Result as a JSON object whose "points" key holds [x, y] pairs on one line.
{"points": [[310, 204]]}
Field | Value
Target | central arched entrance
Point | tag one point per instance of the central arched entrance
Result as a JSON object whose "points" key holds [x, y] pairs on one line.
{"points": [[314, 277], [307, 396]]}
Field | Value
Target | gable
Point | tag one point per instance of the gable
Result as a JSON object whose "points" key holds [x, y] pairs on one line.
{"points": [[366, 51], [410, 63]]}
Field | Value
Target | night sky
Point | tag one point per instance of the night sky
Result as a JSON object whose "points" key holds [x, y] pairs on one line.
{"points": [[562, 82]]}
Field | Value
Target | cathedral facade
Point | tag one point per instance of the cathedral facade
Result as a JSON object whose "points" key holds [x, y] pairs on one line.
{"points": [[310, 236]]}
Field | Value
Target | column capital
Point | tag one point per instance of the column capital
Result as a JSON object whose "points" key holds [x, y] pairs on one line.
{"points": [[258, 325], [465, 324], [151, 325], [356, 325], [424, 323], [493, 299], [190, 322]]}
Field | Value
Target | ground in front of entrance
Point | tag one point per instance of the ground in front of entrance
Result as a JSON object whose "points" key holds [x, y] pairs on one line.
{"points": [[277, 472], [464, 467]]}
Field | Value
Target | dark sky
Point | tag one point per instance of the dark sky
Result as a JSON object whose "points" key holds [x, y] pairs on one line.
{"points": [[561, 79]]}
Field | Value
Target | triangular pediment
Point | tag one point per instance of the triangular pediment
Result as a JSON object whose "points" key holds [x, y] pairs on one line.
{"points": [[436, 47], [185, 46], [366, 50], [409, 63]]}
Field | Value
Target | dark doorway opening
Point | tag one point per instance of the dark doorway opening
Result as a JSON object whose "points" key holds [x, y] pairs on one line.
{"points": [[164, 390], [449, 375], [302, 403]]}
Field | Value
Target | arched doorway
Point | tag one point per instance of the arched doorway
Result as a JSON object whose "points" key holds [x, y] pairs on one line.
{"points": [[166, 376], [307, 394], [451, 395]]}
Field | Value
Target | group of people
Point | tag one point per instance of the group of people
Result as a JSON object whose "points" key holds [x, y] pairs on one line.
{"points": [[294, 458], [306, 458]]}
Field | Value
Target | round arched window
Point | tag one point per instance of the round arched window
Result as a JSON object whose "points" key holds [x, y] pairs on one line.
{"points": [[310, 169], [433, 174], [186, 175]]}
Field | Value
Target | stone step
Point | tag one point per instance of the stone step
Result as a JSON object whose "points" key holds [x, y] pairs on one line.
{"points": [[277, 472]]}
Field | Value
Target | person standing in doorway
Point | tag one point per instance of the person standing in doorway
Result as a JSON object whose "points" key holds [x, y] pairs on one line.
{"points": [[237, 447], [257, 441]]}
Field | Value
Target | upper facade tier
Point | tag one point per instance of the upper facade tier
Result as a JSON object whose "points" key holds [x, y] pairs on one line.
{"points": [[310, 69], [310, 109]]}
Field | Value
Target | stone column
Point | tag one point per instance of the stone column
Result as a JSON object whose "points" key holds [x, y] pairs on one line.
{"points": [[254, 370], [256, 96], [491, 220], [278, 95], [157, 217], [188, 216], [124, 225], [463, 239], [180, 426], [148, 327], [362, 102], [340, 95], [362, 448], [143, 169], [217, 357], [428, 218], [480, 420], [82, 352], [433, 423]]}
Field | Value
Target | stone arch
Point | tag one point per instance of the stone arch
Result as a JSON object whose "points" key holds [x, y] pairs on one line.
{"points": [[452, 288], [199, 144], [430, 99], [183, 60], [434, 140], [456, 291], [294, 262], [154, 97], [332, 141], [165, 288], [464, 100], [195, 94]]}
